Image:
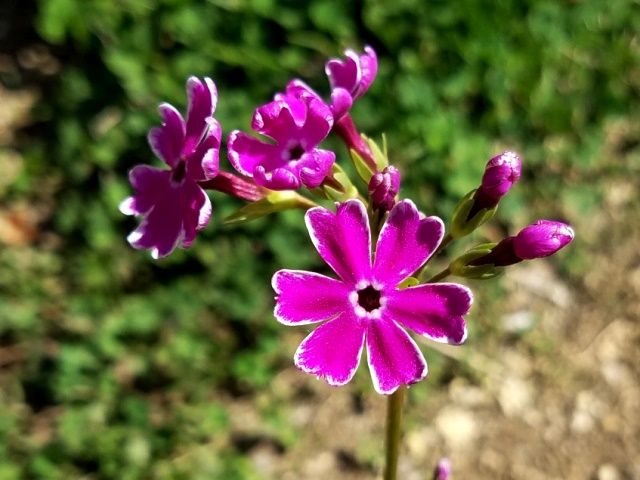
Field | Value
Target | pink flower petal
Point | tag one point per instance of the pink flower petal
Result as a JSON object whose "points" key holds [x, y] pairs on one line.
{"points": [[341, 102], [318, 123], [342, 239], [161, 228], [275, 119], [246, 153], [146, 180], [204, 163], [344, 73], [196, 208], [203, 97], [394, 358], [166, 141], [299, 89], [368, 71], [277, 179], [333, 350], [307, 297], [314, 167], [172, 213], [434, 310], [406, 241]]}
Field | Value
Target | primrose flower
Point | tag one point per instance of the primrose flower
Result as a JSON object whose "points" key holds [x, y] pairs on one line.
{"points": [[350, 78], [173, 206], [296, 122], [365, 306]]}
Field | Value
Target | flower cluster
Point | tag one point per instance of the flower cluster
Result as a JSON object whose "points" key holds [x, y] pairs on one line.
{"points": [[376, 245]]}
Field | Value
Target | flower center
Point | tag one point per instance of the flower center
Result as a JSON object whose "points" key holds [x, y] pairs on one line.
{"points": [[179, 172], [296, 152], [369, 298]]}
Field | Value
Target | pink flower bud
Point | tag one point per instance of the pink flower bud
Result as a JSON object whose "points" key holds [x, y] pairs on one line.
{"points": [[541, 239], [501, 172], [383, 188], [443, 470]]}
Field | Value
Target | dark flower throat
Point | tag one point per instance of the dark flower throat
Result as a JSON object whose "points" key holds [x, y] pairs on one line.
{"points": [[369, 298]]}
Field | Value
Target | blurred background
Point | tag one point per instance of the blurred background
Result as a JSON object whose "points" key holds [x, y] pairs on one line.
{"points": [[113, 366]]}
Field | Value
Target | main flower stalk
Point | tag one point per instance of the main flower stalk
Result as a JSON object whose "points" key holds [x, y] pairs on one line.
{"points": [[394, 433]]}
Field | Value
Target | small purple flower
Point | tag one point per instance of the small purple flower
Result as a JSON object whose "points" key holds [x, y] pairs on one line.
{"points": [[296, 122], [383, 188], [541, 239], [173, 206], [350, 78], [365, 306], [501, 172], [443, 470]]}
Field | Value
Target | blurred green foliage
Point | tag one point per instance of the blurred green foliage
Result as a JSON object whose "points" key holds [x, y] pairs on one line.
{"points": [[124, 362]]}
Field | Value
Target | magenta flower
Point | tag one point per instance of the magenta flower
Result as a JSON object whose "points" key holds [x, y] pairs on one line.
{"points": [[383, 188], [541, 239], [350, 78], [295, 122], [365, 306], [173, 206]]}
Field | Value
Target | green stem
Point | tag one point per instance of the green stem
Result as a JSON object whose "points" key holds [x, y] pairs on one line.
{"points": [[305, 203], [394, 430], [445, 242], [439, 276]]}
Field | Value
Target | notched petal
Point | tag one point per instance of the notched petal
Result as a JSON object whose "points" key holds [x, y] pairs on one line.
{"points": [[332, 351], [394, 358], [434, 310], [307, 297], [343, 239], [407, 240]]}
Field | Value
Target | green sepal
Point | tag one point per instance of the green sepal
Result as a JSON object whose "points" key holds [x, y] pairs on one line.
{"points": [[379, 155], [460, 226], [460, 266], [409, 282], [318, 192], [348, 190], [273, 202], [362, 168]]}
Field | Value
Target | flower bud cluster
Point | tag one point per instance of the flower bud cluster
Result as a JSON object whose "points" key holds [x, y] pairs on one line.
{"points": [[384, 187]]}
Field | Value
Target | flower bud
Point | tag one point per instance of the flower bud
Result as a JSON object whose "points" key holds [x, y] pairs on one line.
{"points": [[541, 239], [443, 470], [383, 188], [538, 240], [501, 172]]}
